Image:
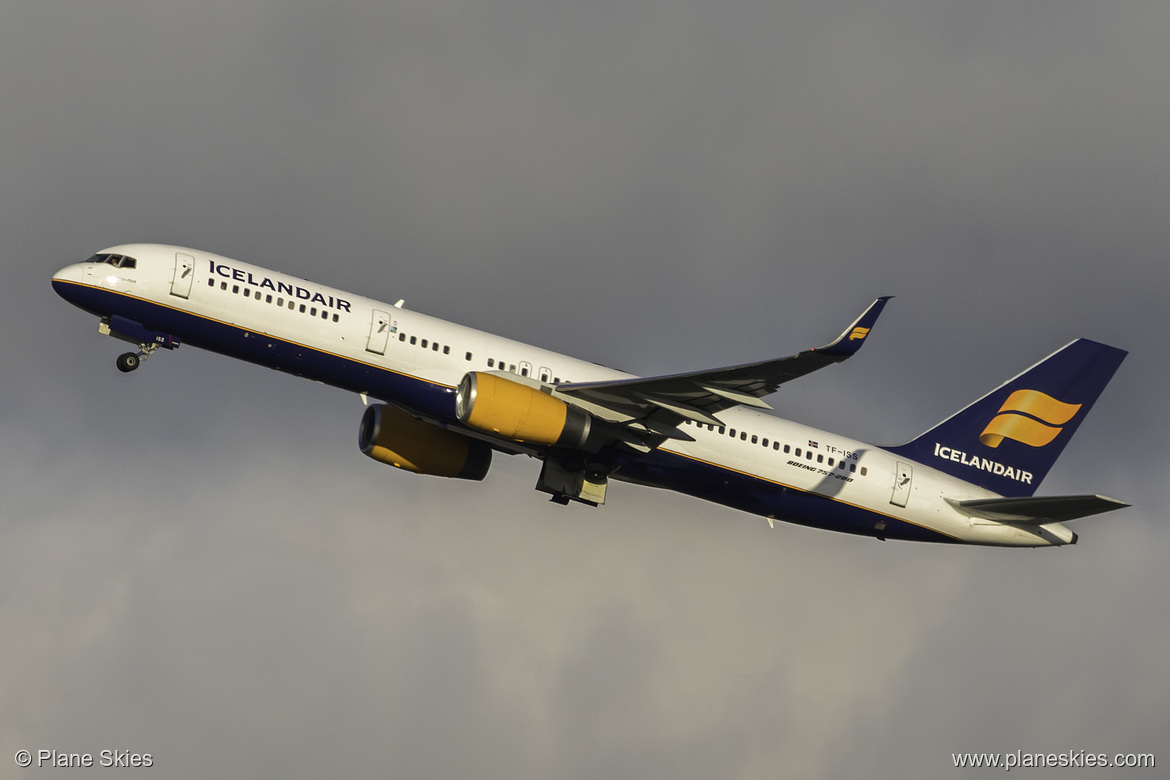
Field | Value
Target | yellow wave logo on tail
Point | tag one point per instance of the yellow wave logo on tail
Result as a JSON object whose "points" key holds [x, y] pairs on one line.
{"points": [[1050, 414], [858, 333]]}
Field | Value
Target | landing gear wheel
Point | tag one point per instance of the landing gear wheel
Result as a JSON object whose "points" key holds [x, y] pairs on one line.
{"points": [[128, 362]]}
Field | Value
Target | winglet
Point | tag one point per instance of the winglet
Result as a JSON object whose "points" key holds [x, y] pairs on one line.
{"points": [[854, 336]]}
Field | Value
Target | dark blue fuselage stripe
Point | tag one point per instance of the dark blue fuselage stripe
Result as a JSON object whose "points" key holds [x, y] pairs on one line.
{"points": [[658, 468]]}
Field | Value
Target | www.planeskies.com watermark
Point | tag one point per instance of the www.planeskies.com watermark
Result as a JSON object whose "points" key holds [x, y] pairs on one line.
{"points": [[1070, 758]]}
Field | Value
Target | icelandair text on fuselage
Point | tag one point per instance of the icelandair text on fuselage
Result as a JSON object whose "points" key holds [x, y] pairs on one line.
{"points": [[983, 464], [292, 291]]}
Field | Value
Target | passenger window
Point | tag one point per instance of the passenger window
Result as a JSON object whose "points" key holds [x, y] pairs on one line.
{"points": [[764, 442], [292, 305], [852, 467], [280, 301], [732, 432], [754, 438], [808, 454], [556, 380], [413, 340], [743, 435], [402, 337], [797, 453], [491, 362], [435, 346], [268, 299], [336, 318], [830, 463], [776, 445], [302, 308], [210, 282], [524, 372], [512, 368], [446, 350], [235, 289], [468, 356], [720, 429], [863, 471], [223, 285], [313, 312], [324, 314], [820, 458]]}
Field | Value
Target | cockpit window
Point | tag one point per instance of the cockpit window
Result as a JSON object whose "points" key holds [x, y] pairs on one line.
{"points": [[118, 261]]}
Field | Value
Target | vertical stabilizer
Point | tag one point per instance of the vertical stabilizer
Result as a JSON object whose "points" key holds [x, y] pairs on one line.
{"points": [[1009, 439]]}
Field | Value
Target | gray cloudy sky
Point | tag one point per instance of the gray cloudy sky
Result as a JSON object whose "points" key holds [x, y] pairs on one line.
{"points": [[196, 562]]}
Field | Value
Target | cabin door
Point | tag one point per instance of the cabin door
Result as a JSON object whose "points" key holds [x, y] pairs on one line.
{"points": [[379, 332], [184, 273]]}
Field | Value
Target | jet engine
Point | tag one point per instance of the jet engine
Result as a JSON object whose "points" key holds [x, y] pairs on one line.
{"points": [[519, 412], [392, 436]]}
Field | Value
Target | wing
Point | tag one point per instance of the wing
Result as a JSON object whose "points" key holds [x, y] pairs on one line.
{"points": [[655, 405]]}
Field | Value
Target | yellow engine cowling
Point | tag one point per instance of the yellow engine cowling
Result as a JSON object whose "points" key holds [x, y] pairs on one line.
{"points": [[392, 436], [518, 412]]}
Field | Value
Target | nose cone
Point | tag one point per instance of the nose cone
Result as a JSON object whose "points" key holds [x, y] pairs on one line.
{"points": [[66, 281], [70, 273]]}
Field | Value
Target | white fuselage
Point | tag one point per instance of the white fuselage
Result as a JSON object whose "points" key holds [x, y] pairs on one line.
{"points": [[791, 471]]}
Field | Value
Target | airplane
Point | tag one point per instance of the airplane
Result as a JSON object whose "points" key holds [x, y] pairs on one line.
{"points": [[447, 396]]}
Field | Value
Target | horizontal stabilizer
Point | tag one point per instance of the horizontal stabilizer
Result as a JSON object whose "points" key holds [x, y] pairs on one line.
{"points": [[1033, 510]]}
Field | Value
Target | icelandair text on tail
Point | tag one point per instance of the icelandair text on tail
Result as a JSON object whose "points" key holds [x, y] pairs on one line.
{"points": [[1070, 758], [990, 466]]}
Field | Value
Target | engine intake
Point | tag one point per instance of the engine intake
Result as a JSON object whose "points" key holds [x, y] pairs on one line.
{"points": [[394, 437], [515, 411]]}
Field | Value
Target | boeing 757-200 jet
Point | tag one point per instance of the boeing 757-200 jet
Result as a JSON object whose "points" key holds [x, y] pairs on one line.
{"points": [[446, 397]]}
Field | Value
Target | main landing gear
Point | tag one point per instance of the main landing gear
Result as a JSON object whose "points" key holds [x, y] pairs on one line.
{"points": [[573, 480]]}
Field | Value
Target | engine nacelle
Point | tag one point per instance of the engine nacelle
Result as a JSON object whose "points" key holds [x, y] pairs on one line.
{"points": [[392, 436], [518, 412]]}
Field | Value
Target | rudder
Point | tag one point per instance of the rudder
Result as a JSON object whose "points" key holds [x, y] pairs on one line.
{"points": [[1009, 439]]}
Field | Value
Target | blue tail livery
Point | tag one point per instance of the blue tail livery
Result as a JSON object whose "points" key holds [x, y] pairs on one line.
{"points": [[1009, 439]]}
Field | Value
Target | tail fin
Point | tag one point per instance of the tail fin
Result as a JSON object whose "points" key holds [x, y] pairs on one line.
{"points": [[1009, 439]]}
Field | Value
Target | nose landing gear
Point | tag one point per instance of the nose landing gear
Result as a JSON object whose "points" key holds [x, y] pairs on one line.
{"points": [[148, 341], [129, 361]]}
